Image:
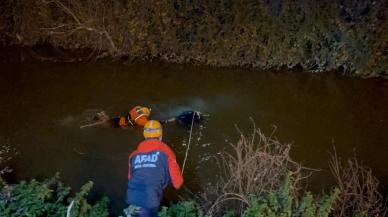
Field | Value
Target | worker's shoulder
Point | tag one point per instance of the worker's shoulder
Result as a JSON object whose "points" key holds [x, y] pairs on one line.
{"points": [[163, 147], [154, 144]]}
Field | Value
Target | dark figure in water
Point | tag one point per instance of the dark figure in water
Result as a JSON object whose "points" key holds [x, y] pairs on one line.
{"points": [[187, 117], [184, 119]]}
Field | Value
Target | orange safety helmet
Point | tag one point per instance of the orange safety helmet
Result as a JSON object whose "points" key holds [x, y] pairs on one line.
{"points": [[140, 114], [152, 129]]}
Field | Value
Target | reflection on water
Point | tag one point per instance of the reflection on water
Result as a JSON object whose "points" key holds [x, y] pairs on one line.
{"points": [[43, 105]]}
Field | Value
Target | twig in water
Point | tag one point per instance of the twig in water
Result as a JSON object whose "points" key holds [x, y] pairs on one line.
{"points": [[93, 124]]}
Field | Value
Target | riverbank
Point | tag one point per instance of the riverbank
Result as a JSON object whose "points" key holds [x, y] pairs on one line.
{"points": [[262, 181], [319, 36]]}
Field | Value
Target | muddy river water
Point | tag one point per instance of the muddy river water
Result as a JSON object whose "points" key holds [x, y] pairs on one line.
{"points": [[44, 104]]}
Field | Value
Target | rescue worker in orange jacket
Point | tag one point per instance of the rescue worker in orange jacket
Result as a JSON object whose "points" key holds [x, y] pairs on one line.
{"points": [[152, 166], [139, 115], [136, 116]]}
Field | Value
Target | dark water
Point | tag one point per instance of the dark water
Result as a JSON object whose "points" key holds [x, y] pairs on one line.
{"points": [[43, 105]]}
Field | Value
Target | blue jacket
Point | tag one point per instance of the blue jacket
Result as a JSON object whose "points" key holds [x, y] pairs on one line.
{"points": [[152, 166]]}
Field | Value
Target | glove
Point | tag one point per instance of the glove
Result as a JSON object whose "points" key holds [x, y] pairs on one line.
{"points": [[122, 122]]}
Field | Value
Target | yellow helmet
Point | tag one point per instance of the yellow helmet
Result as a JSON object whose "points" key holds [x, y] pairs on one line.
{"points": [[153, 129]]}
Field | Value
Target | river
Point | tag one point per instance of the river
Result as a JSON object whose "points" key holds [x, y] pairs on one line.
{"points": [[44, 104]]}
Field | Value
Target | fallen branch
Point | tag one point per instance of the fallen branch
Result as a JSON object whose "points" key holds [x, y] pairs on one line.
{"points": [[93, 124]]}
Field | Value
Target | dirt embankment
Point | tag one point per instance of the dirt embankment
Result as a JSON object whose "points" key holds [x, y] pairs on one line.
{"points": [[350, 35]]}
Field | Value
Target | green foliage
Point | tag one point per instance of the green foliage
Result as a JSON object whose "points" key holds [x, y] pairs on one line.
{"points": [[273, 204], [361, 214], [182, 209], [317, 35], [283, 204], [47, 198], [307, 206], [325, 204], [229, 213]]}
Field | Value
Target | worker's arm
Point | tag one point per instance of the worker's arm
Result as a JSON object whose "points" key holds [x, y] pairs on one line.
{"points": [[173, 168], [129, 167], [168, 120], [125, 122]]}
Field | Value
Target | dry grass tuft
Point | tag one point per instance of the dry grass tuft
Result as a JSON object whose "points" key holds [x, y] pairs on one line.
{"points": [[359, 189], [257, 165]]}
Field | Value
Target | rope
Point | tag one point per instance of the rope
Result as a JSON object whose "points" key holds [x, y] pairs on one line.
{"points": [[188, 144]]}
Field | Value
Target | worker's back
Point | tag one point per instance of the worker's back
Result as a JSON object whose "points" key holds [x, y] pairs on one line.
{"points": [[148, 174], [152, 166]]}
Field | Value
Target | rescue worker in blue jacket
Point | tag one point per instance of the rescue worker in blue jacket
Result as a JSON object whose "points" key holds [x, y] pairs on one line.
{"points": [[152, 166]]}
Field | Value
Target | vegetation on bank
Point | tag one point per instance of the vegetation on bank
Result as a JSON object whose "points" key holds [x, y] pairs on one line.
{"points": [[274, 204], [350, 35], [48, 198], [258, 179], [52, 198]]}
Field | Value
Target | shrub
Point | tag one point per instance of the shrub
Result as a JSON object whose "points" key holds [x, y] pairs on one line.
{"points": [[283, 204], [182, 209], [359, 195], [317, 35], [273, 204], [48, 198], [257, 165]]}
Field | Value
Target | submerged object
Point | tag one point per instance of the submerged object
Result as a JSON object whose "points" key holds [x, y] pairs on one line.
{"points": [[187, 117]]}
